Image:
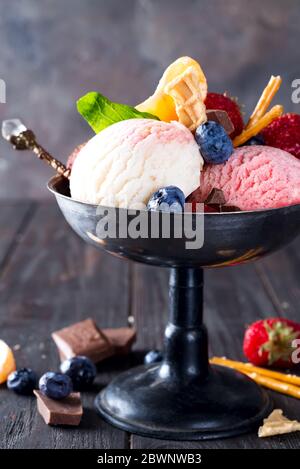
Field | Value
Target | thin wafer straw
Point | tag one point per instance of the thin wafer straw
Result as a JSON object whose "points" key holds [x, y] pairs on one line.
{"points": [[265, 100], [270, 383], [275, 385], [249, 368], [276, 111]]}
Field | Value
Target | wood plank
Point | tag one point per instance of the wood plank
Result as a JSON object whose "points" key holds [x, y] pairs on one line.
{"points": [[52, 280], [149, 305], [233, 298], [280, 276], [13, 219]]}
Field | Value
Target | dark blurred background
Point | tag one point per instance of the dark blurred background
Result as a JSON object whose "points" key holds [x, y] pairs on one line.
{"points": [[53, 51]]}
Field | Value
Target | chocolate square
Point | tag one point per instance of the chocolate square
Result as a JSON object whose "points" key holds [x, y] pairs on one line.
{"points": [[67, 411], [222, 118], [121, 338], [215, 197], [83, 338]]}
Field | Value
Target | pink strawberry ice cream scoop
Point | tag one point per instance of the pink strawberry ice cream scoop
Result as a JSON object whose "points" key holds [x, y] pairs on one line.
{"points": [[254, 178]]}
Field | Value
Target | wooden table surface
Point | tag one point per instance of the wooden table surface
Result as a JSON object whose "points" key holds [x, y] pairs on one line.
{"points": [[50, 279]]}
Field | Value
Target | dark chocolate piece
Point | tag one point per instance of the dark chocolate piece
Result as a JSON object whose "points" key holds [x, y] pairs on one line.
{"points": [[121, 338], [222, 118], [215, 197], [83, 338], [216, 201], [67, 411], [230, 208]]}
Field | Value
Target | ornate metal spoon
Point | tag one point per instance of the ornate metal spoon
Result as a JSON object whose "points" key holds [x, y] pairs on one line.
{"points": [[15, 132]]}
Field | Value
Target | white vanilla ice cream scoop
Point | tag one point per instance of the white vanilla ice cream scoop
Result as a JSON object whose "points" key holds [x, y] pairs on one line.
{"points": [[125, 163]]}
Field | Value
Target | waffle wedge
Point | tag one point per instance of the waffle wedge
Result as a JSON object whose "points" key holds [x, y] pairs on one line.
{"points": [[186, 93]]}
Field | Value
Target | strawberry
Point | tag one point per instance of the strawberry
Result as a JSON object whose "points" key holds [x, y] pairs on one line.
{"points": [[224, 103], [284, 133], [269, 342]]}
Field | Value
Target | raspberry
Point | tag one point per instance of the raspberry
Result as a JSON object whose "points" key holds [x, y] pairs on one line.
{"points": [[224, 103], [284, 133]]}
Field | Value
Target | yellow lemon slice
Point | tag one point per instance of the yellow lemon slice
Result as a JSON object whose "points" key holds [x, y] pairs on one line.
{"points": [[160, 105]]}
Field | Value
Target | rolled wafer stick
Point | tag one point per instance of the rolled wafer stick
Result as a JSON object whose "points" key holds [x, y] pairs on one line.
{"points": [[15, 132], [249, 368], [267, 382], [275, 385], [276, 111], [265, 100]]}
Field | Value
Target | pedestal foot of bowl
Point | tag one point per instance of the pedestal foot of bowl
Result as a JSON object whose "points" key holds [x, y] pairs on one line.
{"points": [[184, 398], [145, 401]]}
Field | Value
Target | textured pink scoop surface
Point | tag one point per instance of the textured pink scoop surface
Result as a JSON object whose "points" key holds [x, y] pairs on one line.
{"points": [[254, 178]]}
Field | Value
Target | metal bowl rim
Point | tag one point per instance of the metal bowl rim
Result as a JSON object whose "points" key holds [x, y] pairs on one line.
{"points": [[52, 181]]}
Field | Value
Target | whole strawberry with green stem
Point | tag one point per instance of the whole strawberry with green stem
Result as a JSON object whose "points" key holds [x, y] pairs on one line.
{"points": [[268, 342]]}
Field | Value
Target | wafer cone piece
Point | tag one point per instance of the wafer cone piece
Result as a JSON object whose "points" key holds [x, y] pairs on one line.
{"points": [[185, 91], [177, 68], [265, 100], [277, 424], [161, 104]]}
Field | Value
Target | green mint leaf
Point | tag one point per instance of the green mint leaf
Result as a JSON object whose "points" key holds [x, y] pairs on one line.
{"points": [[100, 112]]}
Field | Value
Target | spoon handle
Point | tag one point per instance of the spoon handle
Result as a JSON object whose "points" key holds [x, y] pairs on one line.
{"points": [[26, 141], [59, 167]]}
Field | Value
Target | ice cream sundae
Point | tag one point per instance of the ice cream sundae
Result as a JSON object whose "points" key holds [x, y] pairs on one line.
{"points": [[187, 137], [182, 147]]}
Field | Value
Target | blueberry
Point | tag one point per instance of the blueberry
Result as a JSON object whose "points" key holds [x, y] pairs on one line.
{"points": [[154, 356], [55, 385], [167, 199], [257, 140], [81, 370], [215, 145], [22, 381]]}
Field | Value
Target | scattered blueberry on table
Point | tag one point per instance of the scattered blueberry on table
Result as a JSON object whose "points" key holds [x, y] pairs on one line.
{"points": [[81, 370], [55, 385], [215, 145], [22, 381], [154, 356], [167, 199]]}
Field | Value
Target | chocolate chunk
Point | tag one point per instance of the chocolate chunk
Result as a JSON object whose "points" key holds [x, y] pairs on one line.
{"points": [[67, 411], [83, 338], [229, 208], [217, 202], [222, 118], [122, 339], [215, 197]]}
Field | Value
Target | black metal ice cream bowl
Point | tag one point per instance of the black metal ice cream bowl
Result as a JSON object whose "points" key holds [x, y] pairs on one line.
{"points": [[184, 397]]}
